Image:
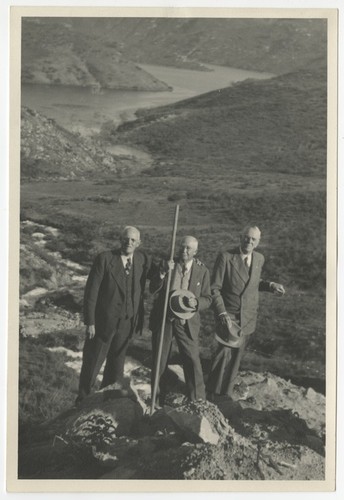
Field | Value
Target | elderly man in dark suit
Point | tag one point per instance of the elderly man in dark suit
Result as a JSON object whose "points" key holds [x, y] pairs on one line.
{"points": [[188, 273], [235, 287], [113, 310]]}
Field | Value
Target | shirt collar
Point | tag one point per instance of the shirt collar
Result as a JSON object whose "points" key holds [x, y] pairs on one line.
{"points": [[126, 257], [188, 265], [246, 255]]}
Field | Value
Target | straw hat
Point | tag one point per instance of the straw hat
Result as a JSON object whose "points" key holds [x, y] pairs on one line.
{"points": [[178, 304]]}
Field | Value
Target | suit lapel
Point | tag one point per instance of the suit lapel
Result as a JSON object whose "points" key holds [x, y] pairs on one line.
{"points": [[137, 265], [240, 267], [254, 265], [116, 270], [194, 278]]}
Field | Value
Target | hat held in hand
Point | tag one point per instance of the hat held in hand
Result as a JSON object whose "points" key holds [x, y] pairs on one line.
{"points": [[229, 335], [179, 304]]}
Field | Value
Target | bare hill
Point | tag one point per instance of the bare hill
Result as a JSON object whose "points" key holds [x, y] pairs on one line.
{"points": [[103, 53], [272, 45], [54, 54], [48, 151]]}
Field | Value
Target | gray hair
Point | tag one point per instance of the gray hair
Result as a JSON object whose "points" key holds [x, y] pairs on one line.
{"points": [[248, 227], [130, 228], [192, 238]]}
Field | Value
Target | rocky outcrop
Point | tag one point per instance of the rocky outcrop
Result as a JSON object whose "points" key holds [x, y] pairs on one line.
{"points": [[270, 430], [51, 287], [256, 437], [50, 151]]}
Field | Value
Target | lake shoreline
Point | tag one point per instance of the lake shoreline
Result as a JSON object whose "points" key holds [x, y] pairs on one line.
{"points": [[81, 111]]}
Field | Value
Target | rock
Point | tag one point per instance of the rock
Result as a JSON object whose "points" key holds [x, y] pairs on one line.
{"points": [[194, 427], [198, 421], [311, 394], [34, 294], [229, 408], [23, 304], [38, 236], [160, 422], [240, 390]]}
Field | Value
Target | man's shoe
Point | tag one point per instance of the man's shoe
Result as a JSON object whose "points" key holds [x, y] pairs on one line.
{"points": [[79, 399]]}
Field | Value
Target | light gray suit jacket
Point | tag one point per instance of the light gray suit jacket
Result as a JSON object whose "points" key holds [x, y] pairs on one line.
{"points": [[235, 290]]}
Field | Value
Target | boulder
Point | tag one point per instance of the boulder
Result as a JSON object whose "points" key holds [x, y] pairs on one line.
{"points": [[195, 428], [196, 421]]}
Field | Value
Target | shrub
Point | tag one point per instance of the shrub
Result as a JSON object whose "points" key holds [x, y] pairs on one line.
{"points": [[175, 197], [45, 383]]}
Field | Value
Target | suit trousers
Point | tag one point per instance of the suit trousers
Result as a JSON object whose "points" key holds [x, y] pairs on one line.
{"points": [[189, 352], [96, 350], [225, 367]]}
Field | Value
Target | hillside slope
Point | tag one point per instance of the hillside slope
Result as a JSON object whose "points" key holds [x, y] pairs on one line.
{"points": [[276, 125], [48, 151], [101, 53], [54, 54], [255, 152], [272, 45]]}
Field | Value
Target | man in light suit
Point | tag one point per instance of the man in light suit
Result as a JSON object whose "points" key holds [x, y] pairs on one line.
{"points": [[235, 287], [113, 310], [188, 273]]}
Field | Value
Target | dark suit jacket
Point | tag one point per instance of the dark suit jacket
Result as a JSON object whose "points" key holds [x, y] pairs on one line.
{"points": [[234, 290], [104, 293], [199, 285]]}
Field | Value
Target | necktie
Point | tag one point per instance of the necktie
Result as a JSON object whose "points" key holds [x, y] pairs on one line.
{"points": [[246, 263], [127, 266], [184, 283]]}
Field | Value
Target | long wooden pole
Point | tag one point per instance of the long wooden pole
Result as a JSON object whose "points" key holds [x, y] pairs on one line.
{"points": [[167, 292]]}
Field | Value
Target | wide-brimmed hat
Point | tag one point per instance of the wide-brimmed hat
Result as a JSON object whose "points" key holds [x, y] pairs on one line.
{"points": [[178, 304], [229, 335]]}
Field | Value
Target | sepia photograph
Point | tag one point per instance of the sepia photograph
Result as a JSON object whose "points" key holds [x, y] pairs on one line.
{"points": [[173, 226]]}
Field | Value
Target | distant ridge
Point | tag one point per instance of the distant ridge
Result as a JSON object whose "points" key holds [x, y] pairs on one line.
{"points": [[97, 51], [54, 54], [272, 45]]}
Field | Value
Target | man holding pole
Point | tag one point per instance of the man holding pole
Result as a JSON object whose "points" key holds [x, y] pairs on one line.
{"points": [[188, 294]]}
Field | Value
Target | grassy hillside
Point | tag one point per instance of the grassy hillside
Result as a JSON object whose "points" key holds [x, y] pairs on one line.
{"points": [[272, 45], [273, 126], [255, 152], [53, 53], [103, 52]]}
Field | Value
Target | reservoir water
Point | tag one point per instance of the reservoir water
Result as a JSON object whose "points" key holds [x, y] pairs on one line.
{"points": [[79, 110]]}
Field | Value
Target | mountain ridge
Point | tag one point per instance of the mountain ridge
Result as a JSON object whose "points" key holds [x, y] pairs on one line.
{"points": [[53, 54], [97, 52]]}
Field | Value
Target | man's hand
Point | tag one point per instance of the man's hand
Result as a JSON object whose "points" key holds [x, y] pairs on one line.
{"points": [[225, 320], [90, 331], [277, 289], [165, 267], [191, 302]]}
